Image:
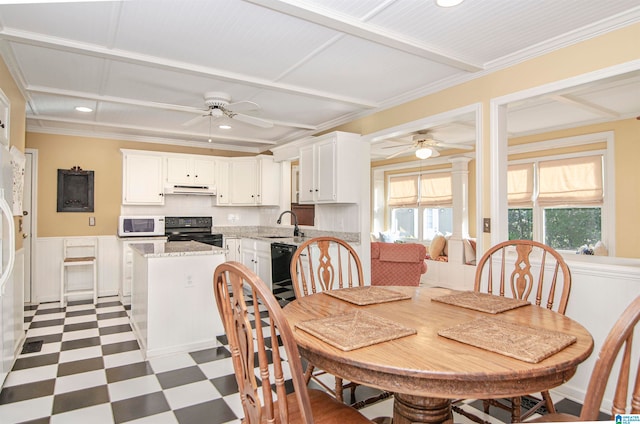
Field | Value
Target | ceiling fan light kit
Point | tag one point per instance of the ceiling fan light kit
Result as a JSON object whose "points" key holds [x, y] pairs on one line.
{"points": [[424, 153], [448, 3]]}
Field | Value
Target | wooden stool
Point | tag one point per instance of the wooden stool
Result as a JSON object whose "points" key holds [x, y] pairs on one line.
{"points": [[79, 252]]}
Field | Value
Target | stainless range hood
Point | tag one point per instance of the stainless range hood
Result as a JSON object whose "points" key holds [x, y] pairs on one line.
{"points": [[190, 189]]}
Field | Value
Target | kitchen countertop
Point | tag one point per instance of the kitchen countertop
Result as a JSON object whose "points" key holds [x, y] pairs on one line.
{"points": [[176, 248]]}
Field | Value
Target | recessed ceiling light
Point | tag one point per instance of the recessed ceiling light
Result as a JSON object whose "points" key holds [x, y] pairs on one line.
{"points": [[84, 109], [224, 127], [448, 3]]}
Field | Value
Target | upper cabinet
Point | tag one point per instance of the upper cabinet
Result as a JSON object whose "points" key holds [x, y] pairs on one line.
{"points": [[246, 181], [222, 183], [325, 163], [254, 181], [191, 170], [142, 179]]}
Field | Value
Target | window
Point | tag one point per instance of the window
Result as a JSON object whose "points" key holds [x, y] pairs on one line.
{"points": [[556, 200], [420, 205]]}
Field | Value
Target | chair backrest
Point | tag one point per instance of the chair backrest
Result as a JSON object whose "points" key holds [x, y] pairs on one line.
{"points": [[85, 248], [537, 269], [621, 335], [325, 263], [240, 295]]}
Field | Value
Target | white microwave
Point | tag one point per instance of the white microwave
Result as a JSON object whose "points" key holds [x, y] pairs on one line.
{"points": [[139, 226]]}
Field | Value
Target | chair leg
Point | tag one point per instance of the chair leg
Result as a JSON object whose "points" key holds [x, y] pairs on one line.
{"points": [[95, 284], [515, 409], [308, 373], [62, 286], [551, 408], [339, 395]]}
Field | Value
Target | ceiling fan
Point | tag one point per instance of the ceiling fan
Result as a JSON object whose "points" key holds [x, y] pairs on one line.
{"points": [[425, 146], [219, 105]]}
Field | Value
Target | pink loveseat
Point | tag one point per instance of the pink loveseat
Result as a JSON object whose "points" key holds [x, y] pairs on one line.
{"points": [[397, 264]]}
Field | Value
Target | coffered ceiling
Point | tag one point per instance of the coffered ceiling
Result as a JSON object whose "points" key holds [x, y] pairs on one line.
{"points": [[294, 68]]}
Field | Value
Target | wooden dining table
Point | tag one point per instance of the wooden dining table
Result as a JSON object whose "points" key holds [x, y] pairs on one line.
{"points": [[425, 371]]}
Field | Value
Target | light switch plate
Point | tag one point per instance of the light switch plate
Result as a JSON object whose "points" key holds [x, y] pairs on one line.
{"points": [[92, 221], [486, 225]]}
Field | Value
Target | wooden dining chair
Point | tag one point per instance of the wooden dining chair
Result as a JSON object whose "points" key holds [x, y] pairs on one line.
{"points": [[241, 295], [320, 264], [621, 335], [529, 270]]}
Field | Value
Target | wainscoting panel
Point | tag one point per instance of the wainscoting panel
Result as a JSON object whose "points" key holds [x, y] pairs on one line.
{"points": [[46, 284]]}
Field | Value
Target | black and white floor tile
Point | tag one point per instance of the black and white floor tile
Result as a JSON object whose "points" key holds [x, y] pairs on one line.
{"points": [[89, 368]]}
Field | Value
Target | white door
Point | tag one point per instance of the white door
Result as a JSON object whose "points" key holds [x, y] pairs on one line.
{"points": [[27, 225]]}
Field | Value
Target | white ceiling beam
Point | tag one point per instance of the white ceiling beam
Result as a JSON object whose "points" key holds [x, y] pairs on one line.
{"points": [[38, 40], [585, 105], [375, 34], [150, 129], [143, 103]]}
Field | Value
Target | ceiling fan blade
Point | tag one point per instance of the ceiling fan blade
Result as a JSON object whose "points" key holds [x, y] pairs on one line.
{"points": [[395, 147], [243, 106], [193, 121], [454, 146], [399, 153], [252, 120]]}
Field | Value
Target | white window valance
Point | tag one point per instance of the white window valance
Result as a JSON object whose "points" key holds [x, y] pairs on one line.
{"points": [[520, 185], [435, 189], [574, 181], [403, 191]]}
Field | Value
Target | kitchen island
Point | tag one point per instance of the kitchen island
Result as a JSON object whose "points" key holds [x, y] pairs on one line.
{"points": [[173, 307]]}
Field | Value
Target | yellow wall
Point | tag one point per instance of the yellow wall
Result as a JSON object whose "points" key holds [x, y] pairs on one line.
{"points": [[17, 124], [102, 156]]}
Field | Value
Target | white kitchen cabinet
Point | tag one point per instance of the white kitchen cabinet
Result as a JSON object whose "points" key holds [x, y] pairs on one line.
{"points": [[232, 246], [190, 170], [142, 176], [256, 255], [329, 171], [254, 181], [222, 183], [127, 264]]}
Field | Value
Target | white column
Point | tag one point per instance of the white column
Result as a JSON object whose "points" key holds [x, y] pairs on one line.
{"points": [[460, 192]]}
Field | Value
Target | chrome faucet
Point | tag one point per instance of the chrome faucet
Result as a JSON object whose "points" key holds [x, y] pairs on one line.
{"points": [[296, 230]]}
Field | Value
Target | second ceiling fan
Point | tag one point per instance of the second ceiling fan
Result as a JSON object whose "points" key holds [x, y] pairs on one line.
{"points": [[425, 146], [219, 105]]}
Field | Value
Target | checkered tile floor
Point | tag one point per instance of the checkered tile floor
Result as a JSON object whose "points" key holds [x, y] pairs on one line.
{"points": [[90, 369]]}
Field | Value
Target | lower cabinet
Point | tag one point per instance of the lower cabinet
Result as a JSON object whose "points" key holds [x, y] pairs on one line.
{"points": [[127, 265], [232, 247], [256, 255]]}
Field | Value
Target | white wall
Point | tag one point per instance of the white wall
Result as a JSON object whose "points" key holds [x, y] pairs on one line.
{"points": [[48, 259]]}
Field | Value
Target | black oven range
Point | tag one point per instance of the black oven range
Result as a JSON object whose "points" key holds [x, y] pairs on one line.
{"points": [[187, 228]]}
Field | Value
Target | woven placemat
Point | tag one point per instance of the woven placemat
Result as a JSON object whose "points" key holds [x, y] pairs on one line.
{"points": [[367, 295], [354, 330], [506, 338], [482, 302]]}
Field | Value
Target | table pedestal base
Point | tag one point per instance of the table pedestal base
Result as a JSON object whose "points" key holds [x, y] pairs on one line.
{"points": [[409, 409]]}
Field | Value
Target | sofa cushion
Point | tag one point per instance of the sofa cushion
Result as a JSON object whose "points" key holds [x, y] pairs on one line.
{"points": [[401, 252], [437, 246]]}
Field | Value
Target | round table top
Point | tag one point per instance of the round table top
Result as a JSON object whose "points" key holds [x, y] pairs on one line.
{"points": [[429, 365]]}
